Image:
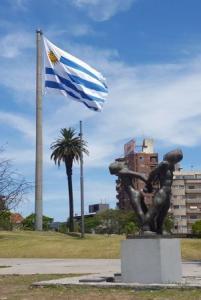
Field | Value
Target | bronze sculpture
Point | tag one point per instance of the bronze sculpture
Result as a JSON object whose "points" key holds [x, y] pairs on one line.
{"points": [[150, 219]]}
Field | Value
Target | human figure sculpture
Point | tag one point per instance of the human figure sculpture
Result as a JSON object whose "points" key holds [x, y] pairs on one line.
{"points": [[163, 173], [136, 197], [151, 220]]}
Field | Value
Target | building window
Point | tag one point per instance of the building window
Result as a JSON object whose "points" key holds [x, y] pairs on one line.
{"points": [[178, 186], [183, 217], [192, 196], [191, 187], [176, 206], [153, 159], [189, 176], [193, 217], [179, 176]]}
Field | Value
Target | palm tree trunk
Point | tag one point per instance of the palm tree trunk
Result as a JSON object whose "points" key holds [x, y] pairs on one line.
{"points": [[70, 193]]}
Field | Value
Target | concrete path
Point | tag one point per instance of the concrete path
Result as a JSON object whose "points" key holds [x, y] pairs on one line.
{"points": [[76, 266], [97, 268], [58, 266]]}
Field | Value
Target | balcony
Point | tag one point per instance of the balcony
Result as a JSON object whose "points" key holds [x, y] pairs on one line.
{"points": [[191, 221], [178, 192], [193, 191], [193, 211], [193, 201], [193, 181], [179, 212]]}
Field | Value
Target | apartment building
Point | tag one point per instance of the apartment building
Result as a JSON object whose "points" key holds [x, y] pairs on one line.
{"points": [[186, 200]]}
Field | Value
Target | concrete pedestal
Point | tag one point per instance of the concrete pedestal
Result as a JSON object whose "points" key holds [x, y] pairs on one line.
{"points": [[151, 260]]}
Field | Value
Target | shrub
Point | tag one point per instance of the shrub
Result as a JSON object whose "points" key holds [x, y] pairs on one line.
{"points": [[196, 227], [5, 223], [29, 222]]}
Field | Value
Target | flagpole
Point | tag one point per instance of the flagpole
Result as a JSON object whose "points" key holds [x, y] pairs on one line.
{"points": [[81, 185], [39, 137]]}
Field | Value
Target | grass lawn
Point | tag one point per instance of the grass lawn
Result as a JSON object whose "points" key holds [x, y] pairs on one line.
{"points": [[30, 244], [19, 288], [55, 245], [191, 249]]}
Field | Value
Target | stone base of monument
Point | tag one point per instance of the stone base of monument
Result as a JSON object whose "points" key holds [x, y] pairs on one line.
{"points": [[151, 260]]}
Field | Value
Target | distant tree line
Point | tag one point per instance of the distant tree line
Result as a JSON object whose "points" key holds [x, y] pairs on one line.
{"points": [[115, 221], [29, 222]]}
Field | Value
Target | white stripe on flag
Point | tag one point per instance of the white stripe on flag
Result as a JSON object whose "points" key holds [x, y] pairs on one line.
{"points": [[72, 77]]}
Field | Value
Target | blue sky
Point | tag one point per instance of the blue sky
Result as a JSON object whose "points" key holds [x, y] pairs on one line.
{"points": [[150, 53]]}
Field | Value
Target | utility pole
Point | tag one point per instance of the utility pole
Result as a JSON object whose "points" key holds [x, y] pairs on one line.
{"points": [[39, 135], [81, 185]]}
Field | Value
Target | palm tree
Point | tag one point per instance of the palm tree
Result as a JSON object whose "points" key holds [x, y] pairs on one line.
{"points": [[68, 148]]}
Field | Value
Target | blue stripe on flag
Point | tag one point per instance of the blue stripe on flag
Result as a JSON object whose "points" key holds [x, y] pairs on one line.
{"points": [[86, 83], [50, 71], [58, 86], [69, 84], [76, 66]]}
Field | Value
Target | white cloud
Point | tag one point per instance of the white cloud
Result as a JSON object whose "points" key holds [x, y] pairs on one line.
{"points": [[13, 44], [19, 123], [81, 30], [17, 65], [72, 30], [19, 77], [102, 10]]}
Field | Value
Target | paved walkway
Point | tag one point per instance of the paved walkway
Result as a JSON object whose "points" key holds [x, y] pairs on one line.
{"points": [[97, 268], [58, 266], [76, 266]]}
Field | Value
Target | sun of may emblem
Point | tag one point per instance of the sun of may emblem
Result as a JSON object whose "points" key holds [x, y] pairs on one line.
{"points": [[52, 57]]}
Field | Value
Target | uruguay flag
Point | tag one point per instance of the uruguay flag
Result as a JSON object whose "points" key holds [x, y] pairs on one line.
{"points": [[69, 76]]}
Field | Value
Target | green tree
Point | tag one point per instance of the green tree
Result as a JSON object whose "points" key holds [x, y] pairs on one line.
{"points": [[196, 227], [168, 223], [131, 228], [91, 223], [128, 222], [5, 223], [29, 222], [117, 221], [67, 149]]}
